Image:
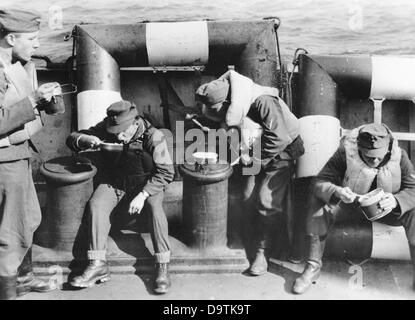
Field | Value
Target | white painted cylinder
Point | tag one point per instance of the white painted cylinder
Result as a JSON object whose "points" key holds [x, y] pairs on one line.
{"points": [[321, 136], [389, 242], [178, 43], [92, 106], [393, 78]]}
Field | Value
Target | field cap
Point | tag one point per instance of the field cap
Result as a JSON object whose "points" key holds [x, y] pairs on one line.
{"points": [[15, 20], [373, 140], [120, 115], [213, 94]]}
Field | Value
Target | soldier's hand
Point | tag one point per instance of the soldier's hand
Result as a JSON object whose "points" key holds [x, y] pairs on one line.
{"points": [[246, 160], [388, 202], [44, 92], [88, 142], [345, 194], [137, 204]]}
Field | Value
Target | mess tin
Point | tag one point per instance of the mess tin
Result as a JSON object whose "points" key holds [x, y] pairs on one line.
{"points": [[56, 105], [111, 147], [205, 157], [369, 204]]}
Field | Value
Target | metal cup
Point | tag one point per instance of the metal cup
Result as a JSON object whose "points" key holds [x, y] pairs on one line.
{"points": [[369, 205], [203, 159], [56, 105]]}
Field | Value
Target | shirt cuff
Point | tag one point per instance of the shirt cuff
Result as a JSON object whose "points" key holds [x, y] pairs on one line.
{"points": [[77, 141], [400, 204], [32, 102], [28, 106], [325, 191]]}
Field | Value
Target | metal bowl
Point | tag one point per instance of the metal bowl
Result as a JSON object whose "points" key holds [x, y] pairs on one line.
{"points": [[205, 157], [111, 147]]}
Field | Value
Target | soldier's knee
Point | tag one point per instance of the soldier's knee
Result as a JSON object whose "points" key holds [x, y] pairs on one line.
{"points": [[265, 199], [265, 208], [94, 206], [155, 202]]}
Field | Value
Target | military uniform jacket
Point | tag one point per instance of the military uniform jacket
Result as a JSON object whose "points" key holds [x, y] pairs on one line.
{"points": [[277, 139], [13, 118], [147, 138]]}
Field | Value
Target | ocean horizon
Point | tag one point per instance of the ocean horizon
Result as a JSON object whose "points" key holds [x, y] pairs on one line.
{"points": [[320, 26]]}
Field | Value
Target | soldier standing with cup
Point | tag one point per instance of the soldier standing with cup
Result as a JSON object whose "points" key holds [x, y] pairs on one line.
{"points": [[20, 102]]}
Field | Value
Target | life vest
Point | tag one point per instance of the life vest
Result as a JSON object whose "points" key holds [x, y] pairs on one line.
{"points": [[21, 81], [244, 92], [359, 176]]}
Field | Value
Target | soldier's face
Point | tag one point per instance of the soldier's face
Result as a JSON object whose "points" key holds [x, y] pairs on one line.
{"points": [[24, 44], [217, 115], [372, 162], [127, 135]]}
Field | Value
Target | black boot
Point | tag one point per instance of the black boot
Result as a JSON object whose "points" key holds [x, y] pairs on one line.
{"points": [[162, 279], [27, 281], [96, 271], [8, 288], [313, 266]]}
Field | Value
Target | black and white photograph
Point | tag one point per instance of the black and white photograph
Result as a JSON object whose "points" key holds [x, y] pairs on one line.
{"points": [[222, 152]]}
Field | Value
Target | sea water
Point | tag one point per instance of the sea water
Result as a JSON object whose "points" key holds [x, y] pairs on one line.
{"points": [[319, 26]]}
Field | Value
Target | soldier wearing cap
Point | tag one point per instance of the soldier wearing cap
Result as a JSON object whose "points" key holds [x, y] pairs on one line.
{"points": [[265, 120], [20, 102], [128, 181], [369, 158]]}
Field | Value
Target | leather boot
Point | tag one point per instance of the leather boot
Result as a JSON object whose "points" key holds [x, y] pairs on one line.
{"points": [[260, 265], [313, 266], [27, 281], [8, 288], [31, 283], [162, 279], [96, 271]]}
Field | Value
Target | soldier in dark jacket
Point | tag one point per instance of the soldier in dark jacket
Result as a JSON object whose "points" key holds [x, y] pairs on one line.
{"points": [[20, 102], [135, 179], [370, 158], [264, 119]]}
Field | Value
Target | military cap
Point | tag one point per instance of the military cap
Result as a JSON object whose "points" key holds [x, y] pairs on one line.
{"points": [[15, 20], [120, 115], [373, 140], [212, 95]]}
